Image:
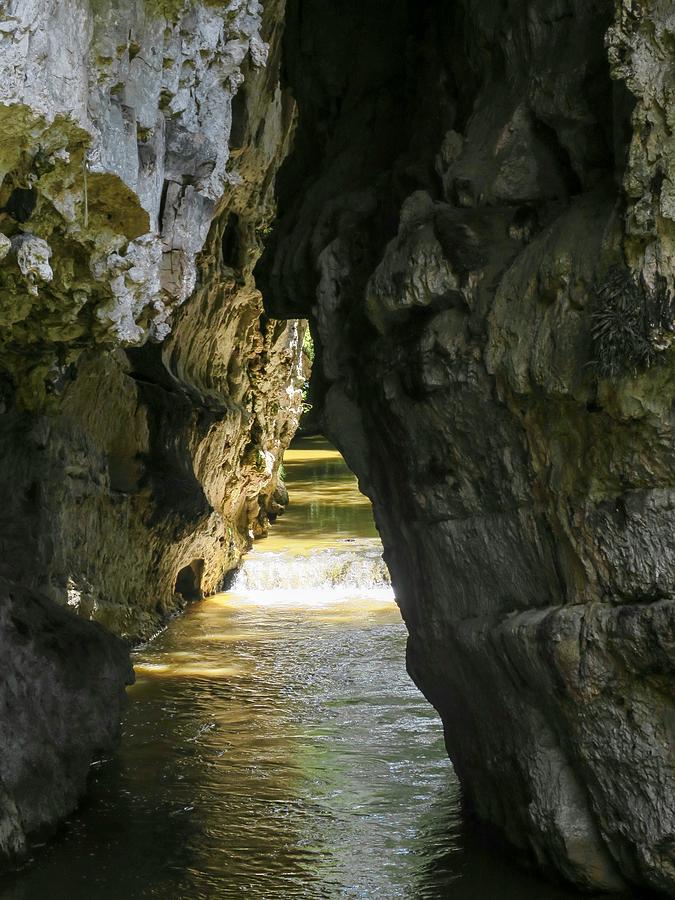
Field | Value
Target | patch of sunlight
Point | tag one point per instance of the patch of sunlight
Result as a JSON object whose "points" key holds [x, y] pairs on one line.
{"points": [[307, 455], [176, 670], [223, 637]]}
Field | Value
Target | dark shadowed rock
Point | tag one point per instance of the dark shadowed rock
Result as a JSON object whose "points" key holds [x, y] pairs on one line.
{"points": [[458, 203], [61, 697], [21, 203]]}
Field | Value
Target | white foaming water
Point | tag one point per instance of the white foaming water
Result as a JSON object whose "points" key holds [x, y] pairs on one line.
{"points": [[324, 577]]}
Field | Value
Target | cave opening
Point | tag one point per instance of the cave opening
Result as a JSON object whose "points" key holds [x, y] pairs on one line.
{"points": [[189, 581], [231, 242]]}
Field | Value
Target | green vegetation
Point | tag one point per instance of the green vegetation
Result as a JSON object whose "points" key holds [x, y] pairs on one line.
{"points": [[308, 345], [308, 350]]}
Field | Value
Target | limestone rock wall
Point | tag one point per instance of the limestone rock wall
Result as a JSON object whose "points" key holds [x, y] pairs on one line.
{"points": [[145, 397], [477, 216], [117, 122]]}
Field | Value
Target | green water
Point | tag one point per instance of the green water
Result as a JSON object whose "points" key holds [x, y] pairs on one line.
{"points": [[274, 746]]}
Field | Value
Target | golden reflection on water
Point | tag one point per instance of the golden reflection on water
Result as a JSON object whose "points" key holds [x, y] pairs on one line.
{"points": [[174, 669], [327, 509], [274, 746]]}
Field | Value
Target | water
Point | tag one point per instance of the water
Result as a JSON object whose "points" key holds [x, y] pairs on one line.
{"points": [[274, 746]]}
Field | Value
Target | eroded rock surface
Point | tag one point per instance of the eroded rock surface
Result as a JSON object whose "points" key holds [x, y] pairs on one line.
{"points": [[477, 215], [61, 695], [145, 399]]}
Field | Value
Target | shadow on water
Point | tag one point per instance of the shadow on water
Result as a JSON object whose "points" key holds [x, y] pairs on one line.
{"points": [[274, 746], [462, 862]]}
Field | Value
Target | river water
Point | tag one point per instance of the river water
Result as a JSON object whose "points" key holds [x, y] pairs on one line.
{"points": [[274, 746]]}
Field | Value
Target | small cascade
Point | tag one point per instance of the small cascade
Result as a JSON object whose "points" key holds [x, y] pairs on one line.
{"points": [[327, 574]]}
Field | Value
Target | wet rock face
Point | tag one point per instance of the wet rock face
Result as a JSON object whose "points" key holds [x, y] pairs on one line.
{"points": [[477, 216], [61, 697], [145, 398]]}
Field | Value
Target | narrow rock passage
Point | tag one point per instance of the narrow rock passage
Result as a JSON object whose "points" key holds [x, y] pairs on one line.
{"points": [[274, 746]]}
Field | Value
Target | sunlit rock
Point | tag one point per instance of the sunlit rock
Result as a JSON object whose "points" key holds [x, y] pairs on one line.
{"points": [[141, 385], [32, 256]]}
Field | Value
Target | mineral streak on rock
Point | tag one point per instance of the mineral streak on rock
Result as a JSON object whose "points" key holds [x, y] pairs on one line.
{"points": [[145, 399], [467, 193]]}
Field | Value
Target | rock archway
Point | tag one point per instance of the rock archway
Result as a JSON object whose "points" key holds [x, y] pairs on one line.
{"points": [[475, 211]]}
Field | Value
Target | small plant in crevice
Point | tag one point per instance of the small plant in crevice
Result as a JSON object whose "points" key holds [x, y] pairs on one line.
{"points": [[309, 352], [308, 345], [631, 324]]}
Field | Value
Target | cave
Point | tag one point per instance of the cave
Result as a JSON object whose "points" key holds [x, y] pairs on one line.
{"points": [[189, 580], [231, 242], [470, 204]]}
